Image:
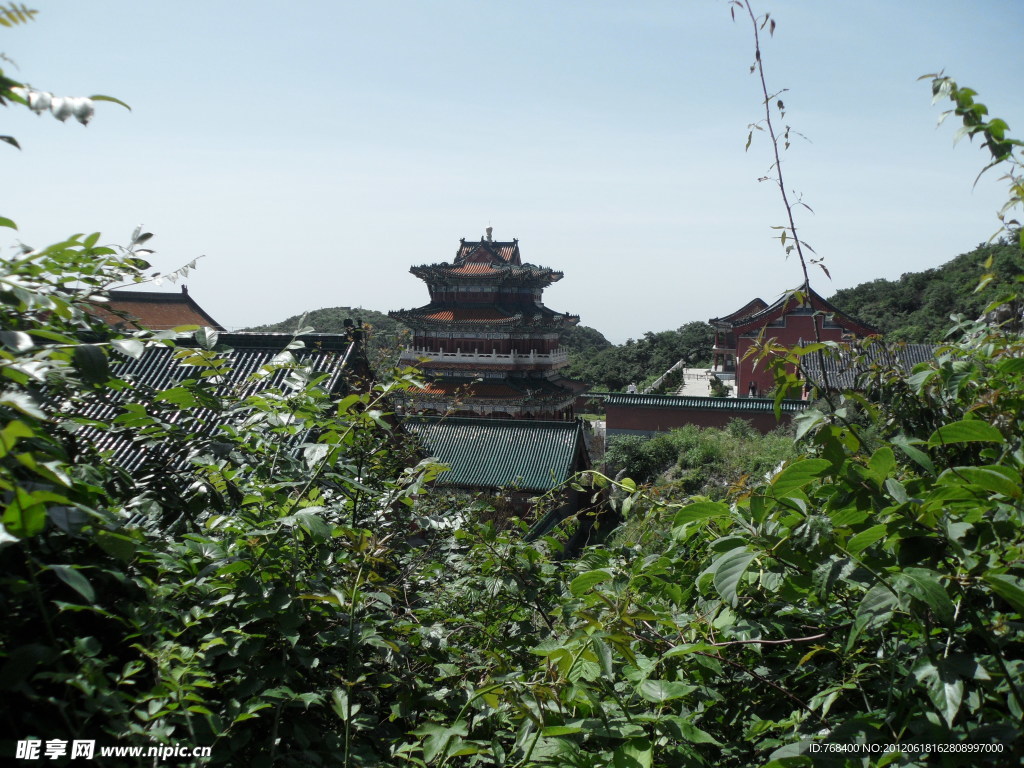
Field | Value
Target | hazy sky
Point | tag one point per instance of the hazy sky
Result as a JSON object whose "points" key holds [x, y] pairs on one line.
{"points": [[314, 151]]}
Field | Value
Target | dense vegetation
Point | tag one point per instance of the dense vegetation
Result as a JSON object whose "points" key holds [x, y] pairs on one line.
{"points": [[642, 360], [691, 460], [299, 595], [917, 307], [272, 604]]}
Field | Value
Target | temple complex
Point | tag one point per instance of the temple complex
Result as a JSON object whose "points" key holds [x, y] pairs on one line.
{"points": [[486, 343]]}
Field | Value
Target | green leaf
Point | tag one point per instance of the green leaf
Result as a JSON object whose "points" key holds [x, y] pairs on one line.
{"points": [[700, 510], [994, 477], [604, 656], [945, 688], [561, 730], [973, 431], [688, 648], [882, 463], [695, 735], [875, 609], [658, 691], [907, 445], [924, 584], [1010, 588], [728, 570], [25, 514], [4, 222], [23, 402], [313, 524], [12, 433], [635, 753], [131, 347], [74, 579], [798, 475], [101, 97], [585, 581], [207, 338], [16, 341], [117, 544], [92, 363], [865, 539]]}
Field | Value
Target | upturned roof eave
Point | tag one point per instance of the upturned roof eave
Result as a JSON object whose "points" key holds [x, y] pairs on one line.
{"points": [[787, 303]]}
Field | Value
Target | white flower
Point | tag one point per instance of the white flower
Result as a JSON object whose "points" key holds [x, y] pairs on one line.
{"points": [[62, 108], [39, 101], [83, 109]]}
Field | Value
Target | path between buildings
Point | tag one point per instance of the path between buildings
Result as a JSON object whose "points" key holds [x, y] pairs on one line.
{"points": [[697, 383]]}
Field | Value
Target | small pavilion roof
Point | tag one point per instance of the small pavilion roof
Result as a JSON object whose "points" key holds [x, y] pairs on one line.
{"points": [[488, 251], [501, 453], [491, 260], [157, 311]]}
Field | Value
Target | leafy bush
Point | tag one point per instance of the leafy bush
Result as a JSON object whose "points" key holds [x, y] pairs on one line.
{"points": [[700, 460]]}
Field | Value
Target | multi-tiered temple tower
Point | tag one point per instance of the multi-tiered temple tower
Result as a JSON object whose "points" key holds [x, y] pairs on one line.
{"points": [[486, 343]]}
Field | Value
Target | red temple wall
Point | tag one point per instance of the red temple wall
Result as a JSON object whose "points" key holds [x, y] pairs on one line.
{"points": [[798, 328], [664, 419]]}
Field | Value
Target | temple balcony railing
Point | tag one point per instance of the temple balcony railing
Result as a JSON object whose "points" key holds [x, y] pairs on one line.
{"points": [[415, 354]]}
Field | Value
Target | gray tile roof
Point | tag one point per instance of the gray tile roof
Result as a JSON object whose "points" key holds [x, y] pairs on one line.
{"points": [[843, 365], [160, 368]]}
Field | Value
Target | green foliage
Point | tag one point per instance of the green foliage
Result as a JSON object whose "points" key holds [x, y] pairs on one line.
{"points": [[692, 460], [15, 13], [614, 368], [917, 307], [1003, 150], [582, 341]]}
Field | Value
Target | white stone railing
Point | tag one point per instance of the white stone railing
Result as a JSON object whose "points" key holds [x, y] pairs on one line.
{"points": [[413, 354]]}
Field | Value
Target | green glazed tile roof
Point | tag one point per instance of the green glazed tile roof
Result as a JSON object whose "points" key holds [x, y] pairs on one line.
{"points": [[500, 453], [738, 404]]}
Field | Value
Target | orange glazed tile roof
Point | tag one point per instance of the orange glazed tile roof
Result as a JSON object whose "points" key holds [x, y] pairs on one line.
{"points": [[469, 315], [152, 310], [507, 251], [471, 389]]}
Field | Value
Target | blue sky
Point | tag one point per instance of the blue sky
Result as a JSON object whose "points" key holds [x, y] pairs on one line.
{"points": [[314, 151]]}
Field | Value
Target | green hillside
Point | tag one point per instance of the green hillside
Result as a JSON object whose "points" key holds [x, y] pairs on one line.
{"points": [[917, 306], [385, 337]]}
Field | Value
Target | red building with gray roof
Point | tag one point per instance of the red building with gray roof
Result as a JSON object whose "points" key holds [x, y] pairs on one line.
{"points": [[790, 321]]}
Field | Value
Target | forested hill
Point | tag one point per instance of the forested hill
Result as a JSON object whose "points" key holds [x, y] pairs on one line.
{"points": [[917, 306], [332, 320]]}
